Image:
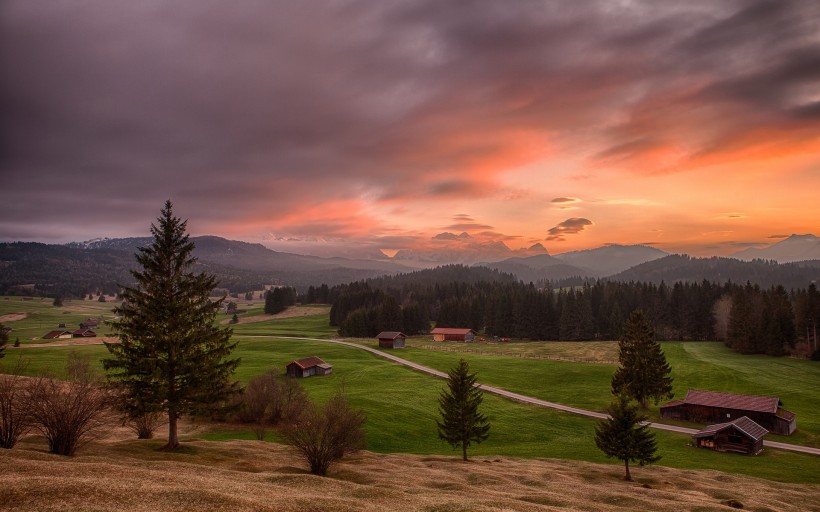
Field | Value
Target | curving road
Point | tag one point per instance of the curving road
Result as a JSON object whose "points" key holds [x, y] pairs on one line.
{"points": [[531, 400]]}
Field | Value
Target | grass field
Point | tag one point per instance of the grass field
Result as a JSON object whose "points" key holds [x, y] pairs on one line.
{"points": [[41, 317], [401, 404]]}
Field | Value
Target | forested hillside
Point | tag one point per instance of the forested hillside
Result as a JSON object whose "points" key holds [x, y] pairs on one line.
{"points": [[751, 319]]}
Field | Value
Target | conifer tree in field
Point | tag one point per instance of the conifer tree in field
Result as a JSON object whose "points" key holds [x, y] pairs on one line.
{"points": [[4, 339], [622, 436], [461, 423], [172, 356], [643, 372]]}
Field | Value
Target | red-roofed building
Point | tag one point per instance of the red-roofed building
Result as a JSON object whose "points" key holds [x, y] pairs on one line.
{"points": [[448, 334], [84, 333], [741, 435], [308, 366], [391, 339], [714, 407]]}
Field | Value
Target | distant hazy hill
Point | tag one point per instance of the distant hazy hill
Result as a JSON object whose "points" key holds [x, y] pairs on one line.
{"points": [[441, 275], [678, 267], [462, 249], [611, 259], [793, 248], [600, 262], [80, 268], [537, 268]]}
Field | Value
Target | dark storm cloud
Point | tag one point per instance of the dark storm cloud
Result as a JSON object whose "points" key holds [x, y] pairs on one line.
{"points": [[252, 109]]}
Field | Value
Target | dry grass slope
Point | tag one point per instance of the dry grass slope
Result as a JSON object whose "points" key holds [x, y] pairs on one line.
{"points": [[257, 476]]}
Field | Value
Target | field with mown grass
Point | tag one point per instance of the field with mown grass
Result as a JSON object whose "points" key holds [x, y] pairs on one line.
{"points": [[401, 404], [31, 319]]}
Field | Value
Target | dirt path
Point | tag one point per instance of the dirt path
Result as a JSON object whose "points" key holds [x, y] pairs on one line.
{"points": [[12, 317]]}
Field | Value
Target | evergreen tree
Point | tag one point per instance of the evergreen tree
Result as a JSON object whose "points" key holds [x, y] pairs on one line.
{"points": [[461, 423], [643, 372], [622, 435], [4, 339], [172, 356]]}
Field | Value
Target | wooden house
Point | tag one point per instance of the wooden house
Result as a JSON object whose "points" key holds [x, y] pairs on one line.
{"points": [[448, 334], [391, 339], [741, 435], [308, 366], [84, 333], [59, 334], [90, 323], [713, 407]]}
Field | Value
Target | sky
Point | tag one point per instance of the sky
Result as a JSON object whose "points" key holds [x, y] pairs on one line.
{"points": [[689, 126]]}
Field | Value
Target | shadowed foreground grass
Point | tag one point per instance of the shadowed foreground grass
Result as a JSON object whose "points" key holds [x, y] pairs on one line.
{"points": [[257, 476]]}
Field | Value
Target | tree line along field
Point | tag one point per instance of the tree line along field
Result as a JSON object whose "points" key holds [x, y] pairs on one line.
{"points": [[401, 404]]}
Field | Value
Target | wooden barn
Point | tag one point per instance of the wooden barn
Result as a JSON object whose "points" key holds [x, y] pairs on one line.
{"points": [[54, 335], [713, 407], [308, 367], [390, 339], [84, 333], [90, 323], [741, 435], [448, 334]]}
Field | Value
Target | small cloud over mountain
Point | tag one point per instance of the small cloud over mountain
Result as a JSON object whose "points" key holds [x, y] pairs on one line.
{"points": [[571, 226]]}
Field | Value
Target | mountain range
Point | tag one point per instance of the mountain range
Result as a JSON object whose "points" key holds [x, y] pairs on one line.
{"points": [[103, 264], [793, 248]]}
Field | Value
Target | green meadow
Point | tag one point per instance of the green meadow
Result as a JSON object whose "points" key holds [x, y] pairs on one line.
{"points": [[41, 317], [401, 404]]}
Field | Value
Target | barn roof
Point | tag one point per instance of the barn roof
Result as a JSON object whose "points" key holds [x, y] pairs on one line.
{"points": [[309, 362], [743, 424], [54, 334], [390, 335], [767, 404], [88, 333], [447, 330]]}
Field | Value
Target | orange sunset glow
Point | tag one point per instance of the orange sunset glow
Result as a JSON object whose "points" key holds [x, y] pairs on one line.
{"points": [[401, 125]]}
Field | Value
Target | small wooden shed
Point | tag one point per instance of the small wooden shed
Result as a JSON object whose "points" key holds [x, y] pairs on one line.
{"points": [[308, 367], [741, 435], [84, 333], [452, 334], [391, 339]]}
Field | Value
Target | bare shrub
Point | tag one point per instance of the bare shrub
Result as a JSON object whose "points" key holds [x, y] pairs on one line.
{"points": [[71, 413], [145, 424], [269, 399], [324, 434], [14, 407]]}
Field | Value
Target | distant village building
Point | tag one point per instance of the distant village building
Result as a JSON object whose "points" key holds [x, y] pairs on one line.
{"points": [[54, 335], [89, 323], [308, 366], [84, 333], [448, 334], [741, 435], [713, 407], [391, 339]]}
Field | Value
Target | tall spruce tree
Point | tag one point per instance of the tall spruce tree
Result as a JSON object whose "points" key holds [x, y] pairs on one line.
{"points": [[643, 372], [623, 436], [4, 339], [461, 423], [172, 356]]}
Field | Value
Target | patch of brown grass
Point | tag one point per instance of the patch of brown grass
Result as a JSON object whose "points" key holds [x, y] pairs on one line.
{"points": [[288, 313], [252, 475], [12, 317]]}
